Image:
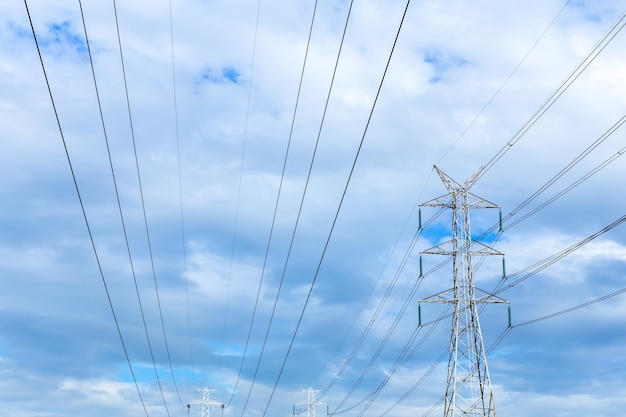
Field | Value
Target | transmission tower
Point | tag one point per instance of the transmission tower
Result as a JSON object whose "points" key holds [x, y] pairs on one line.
{"points": [[206, 402], [468, 390], [310, 403]]}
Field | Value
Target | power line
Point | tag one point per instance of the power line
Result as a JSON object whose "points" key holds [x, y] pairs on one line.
{"points": [[180, 199], [370, 323], [132, 132], [550, 260], [235, 228], [574, 308], [390, 330], [383, 343], [573, 163], [345, 190], [504, 82], [382, 302], [402, 357], [408, 351], [417, 383], [543, 264], [503, 226], [80, 200], [565, 84], [569, 188], [269, 240]]}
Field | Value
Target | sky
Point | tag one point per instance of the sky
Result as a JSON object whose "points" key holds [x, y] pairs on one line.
{"points": [[225, 194]]}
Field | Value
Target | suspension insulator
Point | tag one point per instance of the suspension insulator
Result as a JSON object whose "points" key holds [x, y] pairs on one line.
{"points": [[419, 216], [421, 268], [419, 315]]}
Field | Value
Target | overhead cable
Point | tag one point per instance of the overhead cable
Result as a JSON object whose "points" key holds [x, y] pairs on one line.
{"points": [[417, 383], [579, 181], [237, 207], [504, 82], [345, 190], [82, 206], [182, 213], [565, 84], [570, 165], [383, 343], [382, 302], [569, 310], [543, 264], [269, 240], [132, 134], [405, 355]]}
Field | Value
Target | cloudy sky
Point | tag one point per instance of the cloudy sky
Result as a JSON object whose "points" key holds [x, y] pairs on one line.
{"points": [[224, 194]]}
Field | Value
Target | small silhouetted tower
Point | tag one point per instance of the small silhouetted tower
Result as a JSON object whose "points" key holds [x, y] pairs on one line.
{"points": [[206, 402], [468, 390], [310, 403]]}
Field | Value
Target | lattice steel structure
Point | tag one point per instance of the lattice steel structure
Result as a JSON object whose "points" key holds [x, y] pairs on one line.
{"points": [[310, 403], [468, 391], [206, 402]]}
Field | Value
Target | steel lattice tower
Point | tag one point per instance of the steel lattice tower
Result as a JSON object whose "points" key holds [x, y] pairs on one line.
{"points": [[206, 402], [310, 403], [468, 390]]}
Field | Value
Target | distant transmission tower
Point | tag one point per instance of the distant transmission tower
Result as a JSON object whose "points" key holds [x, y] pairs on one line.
{"points": [[468, 390], [310, 403], [206, 402]]}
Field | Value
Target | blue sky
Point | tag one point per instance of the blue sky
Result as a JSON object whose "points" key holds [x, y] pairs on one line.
{"points": [[463, 79]]}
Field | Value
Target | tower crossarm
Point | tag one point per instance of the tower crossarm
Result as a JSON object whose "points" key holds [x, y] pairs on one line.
{"points": [[449, 297], [443, 201], [446, 296], [448, 201], [483, 250], [475, 202], [450, 248], [484, 297]]}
